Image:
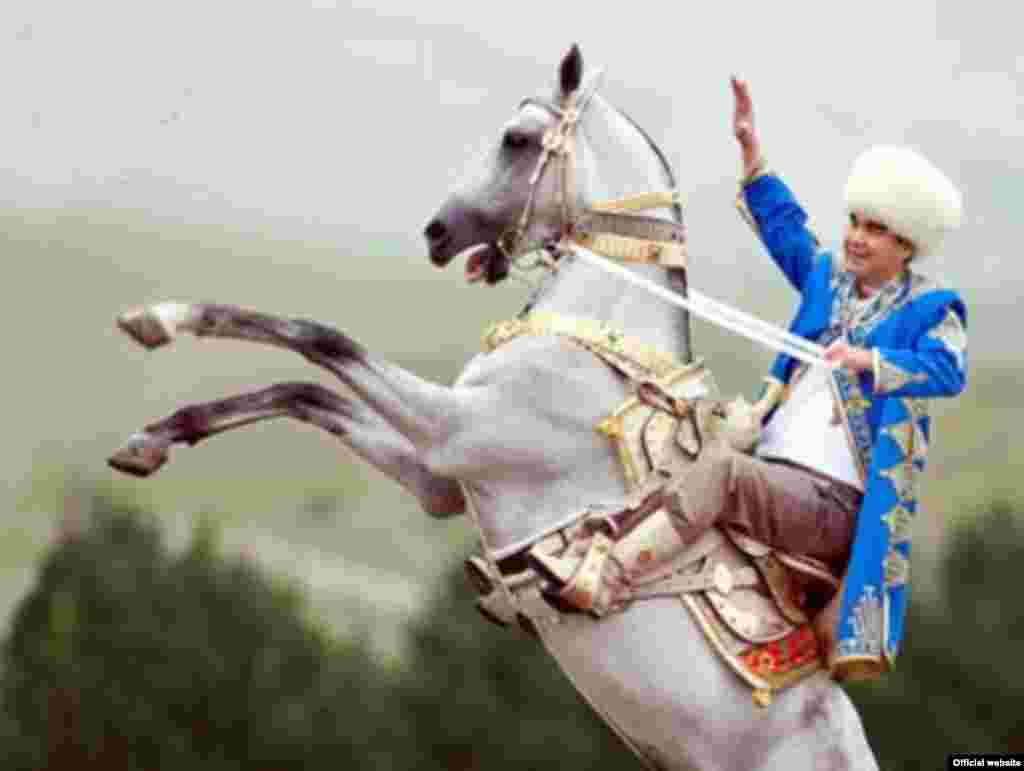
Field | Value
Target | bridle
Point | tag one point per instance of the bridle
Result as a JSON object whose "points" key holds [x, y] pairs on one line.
{"points": [[557, 146], [611, 229], [608, 228]]}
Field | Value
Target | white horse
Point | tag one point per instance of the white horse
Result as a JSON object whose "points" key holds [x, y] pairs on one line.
{"points": [[514, 441]]}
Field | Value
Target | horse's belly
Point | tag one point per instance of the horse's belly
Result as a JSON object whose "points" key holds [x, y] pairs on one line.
{"points": [[650, 675]]}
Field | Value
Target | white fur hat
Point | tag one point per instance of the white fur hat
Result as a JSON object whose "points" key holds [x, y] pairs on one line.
{"points": [[902, 190]]}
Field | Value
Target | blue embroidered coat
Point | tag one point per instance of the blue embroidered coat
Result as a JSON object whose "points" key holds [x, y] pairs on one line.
{"points": [[917, 331]]}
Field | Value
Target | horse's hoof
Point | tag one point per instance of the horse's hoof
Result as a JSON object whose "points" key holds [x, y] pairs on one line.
{"points": [[151, 326], [140, 456]]}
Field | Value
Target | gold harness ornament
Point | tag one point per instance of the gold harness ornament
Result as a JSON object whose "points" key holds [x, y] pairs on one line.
{"points": [[608, 230]]}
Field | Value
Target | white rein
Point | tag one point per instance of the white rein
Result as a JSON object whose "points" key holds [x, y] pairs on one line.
{"points": [[725, 316]]}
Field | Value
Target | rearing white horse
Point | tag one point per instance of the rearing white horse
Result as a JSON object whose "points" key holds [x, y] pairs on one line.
{"points": [[514, 438]]}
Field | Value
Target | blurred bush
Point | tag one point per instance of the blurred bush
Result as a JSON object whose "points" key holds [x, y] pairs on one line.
{"points": [[958, 686], [128, 656]]}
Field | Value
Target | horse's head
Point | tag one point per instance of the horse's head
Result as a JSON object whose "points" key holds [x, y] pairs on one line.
{"points": [[485, 214]]}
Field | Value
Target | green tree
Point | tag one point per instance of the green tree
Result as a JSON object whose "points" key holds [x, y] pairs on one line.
{"points": [[127, 656], [958, 685]]}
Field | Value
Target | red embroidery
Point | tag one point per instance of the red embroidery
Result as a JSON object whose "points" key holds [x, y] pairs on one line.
{"points": [[785, 655]]}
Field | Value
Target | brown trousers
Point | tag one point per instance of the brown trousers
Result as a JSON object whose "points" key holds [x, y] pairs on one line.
{"points": [[779, 504]]}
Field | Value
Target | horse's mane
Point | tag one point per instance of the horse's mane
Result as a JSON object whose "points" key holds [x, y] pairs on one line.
{"points": [[624, 130], [670, 177], [658, 176]]}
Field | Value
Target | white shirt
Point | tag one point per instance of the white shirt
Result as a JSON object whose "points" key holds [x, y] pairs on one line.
{"points": [[804, 430]]}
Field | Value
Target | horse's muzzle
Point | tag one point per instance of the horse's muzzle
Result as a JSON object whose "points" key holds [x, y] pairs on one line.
{"points": [[439, 240]]}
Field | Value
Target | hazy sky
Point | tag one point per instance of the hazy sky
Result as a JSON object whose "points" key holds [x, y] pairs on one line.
{"points": [[359, 116], [348, 124]]}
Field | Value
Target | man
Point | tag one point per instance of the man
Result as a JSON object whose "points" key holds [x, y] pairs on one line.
{"points": [[835, 471]]}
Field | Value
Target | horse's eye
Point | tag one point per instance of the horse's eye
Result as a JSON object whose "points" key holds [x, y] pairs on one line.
{"points": [[515, 140]]}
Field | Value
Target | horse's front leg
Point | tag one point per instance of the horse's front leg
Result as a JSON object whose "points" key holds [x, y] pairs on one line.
{"points": [[363, 432], [420, 410]]}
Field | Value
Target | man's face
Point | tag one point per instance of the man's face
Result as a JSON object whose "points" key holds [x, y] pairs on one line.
{"points": [[874, 254]]}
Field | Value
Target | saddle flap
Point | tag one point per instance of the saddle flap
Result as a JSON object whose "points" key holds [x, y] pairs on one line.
{"points": [[810, 569], [798, 583], [750, 616], [746, 544], [787, 594], [751, 613]]}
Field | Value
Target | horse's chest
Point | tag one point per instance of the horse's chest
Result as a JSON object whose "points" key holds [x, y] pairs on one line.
{"points": [[546, 377], [530, 407]]}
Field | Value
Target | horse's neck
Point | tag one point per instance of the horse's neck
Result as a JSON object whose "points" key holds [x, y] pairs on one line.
{"points": [[584, 291], [563, 464], [613, 159]]}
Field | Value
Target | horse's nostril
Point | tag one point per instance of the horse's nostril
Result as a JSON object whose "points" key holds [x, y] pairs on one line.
{"points": [[436, 231]]}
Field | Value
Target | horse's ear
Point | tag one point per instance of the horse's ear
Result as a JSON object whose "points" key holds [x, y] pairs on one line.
{"points": [[570, 73]]}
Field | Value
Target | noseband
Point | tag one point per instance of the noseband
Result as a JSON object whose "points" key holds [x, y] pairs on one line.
{"points": [[607, 228]]}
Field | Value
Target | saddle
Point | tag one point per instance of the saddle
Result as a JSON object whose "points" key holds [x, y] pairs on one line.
{"points": [[754, 603]]}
